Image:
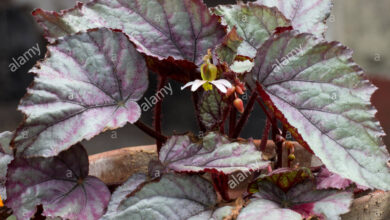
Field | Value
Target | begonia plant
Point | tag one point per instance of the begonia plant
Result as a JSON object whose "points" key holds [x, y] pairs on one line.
{"points": [[96, 68]]}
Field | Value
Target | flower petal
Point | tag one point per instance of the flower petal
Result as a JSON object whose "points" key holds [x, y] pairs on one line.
{"points": [[187, 85], [222, 84], [197, 83]]}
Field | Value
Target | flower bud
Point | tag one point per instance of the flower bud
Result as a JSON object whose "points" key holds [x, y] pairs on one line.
{"points": [[239, 105], [289, 145], [239, 90], [291, 157], [230, 91]]}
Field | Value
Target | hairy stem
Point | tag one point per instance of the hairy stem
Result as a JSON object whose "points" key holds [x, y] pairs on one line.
{"points": [[245, 115], [264, 108], [264, 137], [149, 131], [260, 101], [157, 113]]}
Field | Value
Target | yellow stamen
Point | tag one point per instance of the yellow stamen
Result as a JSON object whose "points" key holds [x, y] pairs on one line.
{"points": [[1, 202], [207, 86]]}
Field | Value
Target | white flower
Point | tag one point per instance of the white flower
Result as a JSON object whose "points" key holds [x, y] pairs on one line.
{"points": [[221, 84], [209, 74]]}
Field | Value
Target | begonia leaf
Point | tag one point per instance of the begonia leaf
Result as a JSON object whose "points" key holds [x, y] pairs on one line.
{"points": [[227, 51], [88, 83], [170, 197], [328, 180], [60, 184], [211, 109], [284, 178], [306, 15], [301, 200], [181, 29], [267, 210], [6, 157], [214, 153], [254, 23], [125, 189], [323, 98]]}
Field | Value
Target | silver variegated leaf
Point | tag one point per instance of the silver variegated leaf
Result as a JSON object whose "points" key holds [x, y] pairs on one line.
{"points": [[88, 83], [214, 153], [323, 97], [182, 29]]}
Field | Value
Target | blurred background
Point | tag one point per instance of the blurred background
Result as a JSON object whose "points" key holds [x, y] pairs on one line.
{"points": [[359, 24]]}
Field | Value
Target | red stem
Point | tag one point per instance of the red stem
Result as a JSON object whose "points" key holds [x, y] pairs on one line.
{"points": [[278, 140], [148, 130], [232, 121], [284, 132], [224, 116], [157, 113], [245, 115], [264, 108], [264, 138]]}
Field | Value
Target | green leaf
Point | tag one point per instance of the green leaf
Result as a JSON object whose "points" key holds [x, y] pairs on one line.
{"points": [[284, 178], [254, 23], [316, 89], [227, 51]]}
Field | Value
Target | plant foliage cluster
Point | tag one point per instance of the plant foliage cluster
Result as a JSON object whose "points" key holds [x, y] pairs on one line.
{"points": [[96, 69]]}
